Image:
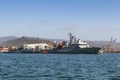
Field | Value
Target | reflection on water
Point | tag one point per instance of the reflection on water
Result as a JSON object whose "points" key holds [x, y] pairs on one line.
{"points": [[59, 67]]}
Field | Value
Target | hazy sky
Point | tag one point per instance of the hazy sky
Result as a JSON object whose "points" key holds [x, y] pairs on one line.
{"points": [[87, 19]]}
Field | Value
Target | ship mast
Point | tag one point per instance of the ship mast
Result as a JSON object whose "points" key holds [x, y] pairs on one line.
{"points": [[71, 38]]}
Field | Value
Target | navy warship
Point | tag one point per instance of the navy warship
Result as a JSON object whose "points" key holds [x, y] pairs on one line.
{"points": [[75, 46]]}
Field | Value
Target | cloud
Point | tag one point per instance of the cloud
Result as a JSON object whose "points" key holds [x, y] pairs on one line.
{"points": [[53, 26], [70, 27], [38, 23], [41, 23]]}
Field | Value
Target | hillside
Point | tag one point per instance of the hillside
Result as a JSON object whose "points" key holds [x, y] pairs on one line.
{"points": [[25, 40], [106, 44]]}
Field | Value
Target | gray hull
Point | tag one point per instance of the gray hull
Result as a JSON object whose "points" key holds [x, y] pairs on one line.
{"points": [[73, 51]]}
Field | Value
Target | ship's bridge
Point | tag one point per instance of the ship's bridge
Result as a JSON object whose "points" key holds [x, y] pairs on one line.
{"points": [[82, 44]]}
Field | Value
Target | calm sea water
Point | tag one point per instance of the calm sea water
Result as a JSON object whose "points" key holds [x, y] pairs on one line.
{"points": [[59, 67]]}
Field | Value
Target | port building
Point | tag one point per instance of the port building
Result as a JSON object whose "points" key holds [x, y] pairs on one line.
{"points": [[39, 46]]}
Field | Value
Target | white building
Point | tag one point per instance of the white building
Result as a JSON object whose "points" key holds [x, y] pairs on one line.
{"points": [[40, 46]]}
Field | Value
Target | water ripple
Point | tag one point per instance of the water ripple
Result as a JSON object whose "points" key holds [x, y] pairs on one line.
{"points": [[59, 67]]}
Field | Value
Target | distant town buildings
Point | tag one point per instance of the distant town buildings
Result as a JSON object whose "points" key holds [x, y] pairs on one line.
{"points": [[4, 49]]}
